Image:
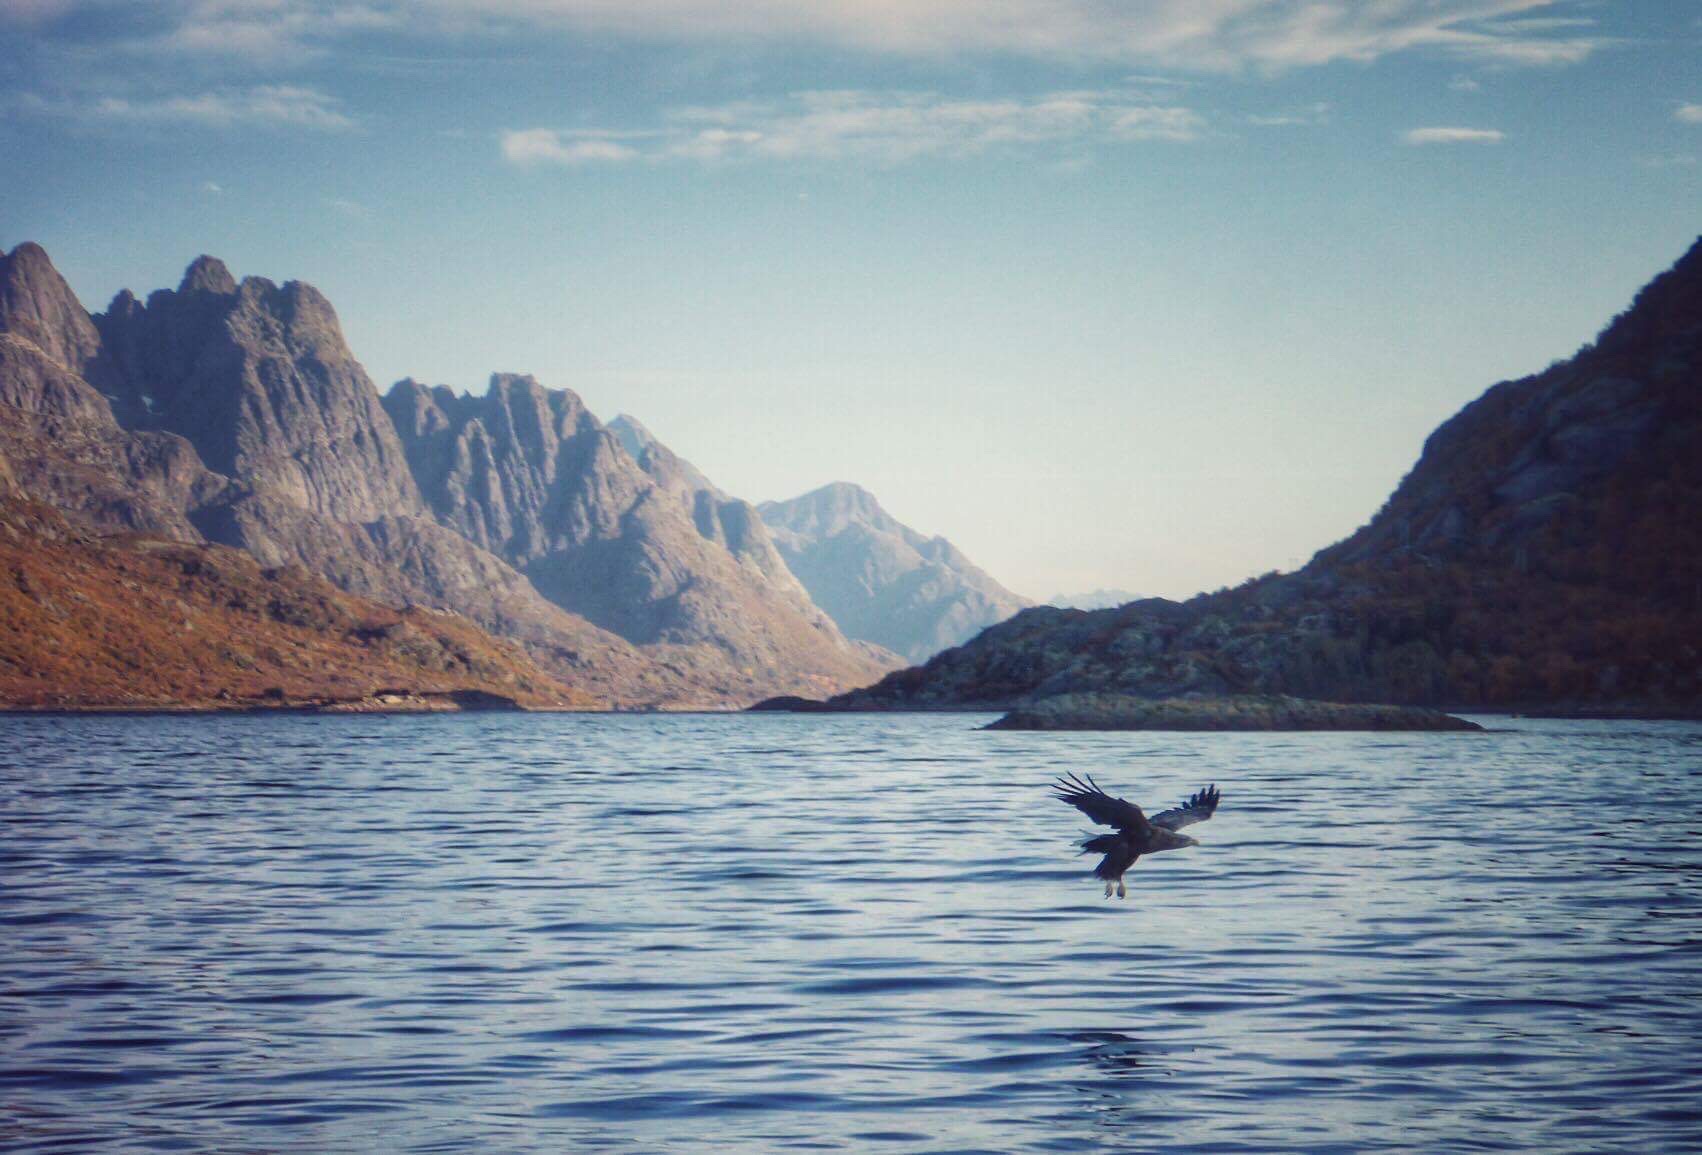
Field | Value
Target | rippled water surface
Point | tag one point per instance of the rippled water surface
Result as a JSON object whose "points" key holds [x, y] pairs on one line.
{"points": [[548, 933]]}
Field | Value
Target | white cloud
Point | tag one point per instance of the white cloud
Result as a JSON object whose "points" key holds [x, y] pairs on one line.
{"points": [[1464, 84], [546, 146], [1205, 34], [212, 188], [267, 105], [1156, 122], [882, 127], [1443, 135], [1308, 116], [1189, 34], [1688, 114]]}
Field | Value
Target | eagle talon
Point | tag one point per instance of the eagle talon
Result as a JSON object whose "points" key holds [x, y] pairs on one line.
{"points": [[1122, 891]]}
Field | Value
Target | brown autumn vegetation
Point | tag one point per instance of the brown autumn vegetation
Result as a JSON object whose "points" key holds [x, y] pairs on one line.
{"points": [[134, 622]]}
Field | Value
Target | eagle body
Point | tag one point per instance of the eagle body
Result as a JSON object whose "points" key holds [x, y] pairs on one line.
{"points": [[1135, 833]]}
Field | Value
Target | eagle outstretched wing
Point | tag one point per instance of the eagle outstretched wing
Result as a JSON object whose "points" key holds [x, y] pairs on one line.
{"points": [[1098, 805], [1196, 809]]}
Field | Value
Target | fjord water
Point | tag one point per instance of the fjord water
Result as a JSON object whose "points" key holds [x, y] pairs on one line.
{"points": [[682, 933]]}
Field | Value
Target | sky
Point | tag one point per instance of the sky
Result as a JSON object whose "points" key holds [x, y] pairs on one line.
{"points": [[1152, 294]]}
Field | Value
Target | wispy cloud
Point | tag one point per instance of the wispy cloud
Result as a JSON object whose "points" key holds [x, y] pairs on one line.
{"points": [[268, 105], [1308, 116], [1688, 114], [1196, 34], [881, 127], [1203, 34], [545, 146], [1447, 135]]}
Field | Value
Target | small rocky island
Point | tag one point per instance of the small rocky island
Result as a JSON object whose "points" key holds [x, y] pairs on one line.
{"points": [[1097, 711]]}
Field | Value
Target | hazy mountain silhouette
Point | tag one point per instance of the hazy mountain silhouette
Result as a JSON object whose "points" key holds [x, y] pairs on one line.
{"points": [[881, 580]]}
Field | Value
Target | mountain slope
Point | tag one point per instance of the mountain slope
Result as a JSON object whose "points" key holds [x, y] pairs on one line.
{"points": [[135, 622], [1546, 550], [881, 580]]}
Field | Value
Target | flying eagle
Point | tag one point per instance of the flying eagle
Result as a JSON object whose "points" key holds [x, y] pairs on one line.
{"points": [[1136, 833]]}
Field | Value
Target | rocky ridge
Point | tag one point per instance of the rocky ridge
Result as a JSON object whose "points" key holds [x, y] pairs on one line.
{"points": [[1544, 552]]}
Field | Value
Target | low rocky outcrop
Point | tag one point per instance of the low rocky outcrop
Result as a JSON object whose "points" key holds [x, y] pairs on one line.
{"points": [[1231, 712], [880, 580]]}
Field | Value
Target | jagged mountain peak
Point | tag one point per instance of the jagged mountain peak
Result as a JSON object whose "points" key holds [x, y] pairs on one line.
{"points": [[258, 377], [37, 305], [207, 275], [880, 580], [829, 509]]}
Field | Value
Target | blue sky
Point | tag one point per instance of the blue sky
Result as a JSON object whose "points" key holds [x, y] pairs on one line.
{"points": [[1155, 295]]}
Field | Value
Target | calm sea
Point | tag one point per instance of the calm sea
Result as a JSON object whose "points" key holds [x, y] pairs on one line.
{"points": [[689, 933]]}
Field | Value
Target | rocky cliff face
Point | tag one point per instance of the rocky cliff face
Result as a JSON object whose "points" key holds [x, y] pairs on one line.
{"points": [[730, 522], [880, 580], [1546, 550], [59, 435], [643, 547], [258, 378]]}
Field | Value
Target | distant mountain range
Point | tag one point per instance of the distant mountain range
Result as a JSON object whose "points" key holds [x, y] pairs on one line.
{"points": [[233, 413], [881, 581], [1101, 599], [1544, 552]]}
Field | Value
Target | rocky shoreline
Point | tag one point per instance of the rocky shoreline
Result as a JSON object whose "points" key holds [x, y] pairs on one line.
{"points": [[1243, 712]]}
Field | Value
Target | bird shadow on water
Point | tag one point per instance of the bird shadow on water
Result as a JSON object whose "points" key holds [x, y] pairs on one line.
{"points": [[1117, 1081], [1116, 1056]]}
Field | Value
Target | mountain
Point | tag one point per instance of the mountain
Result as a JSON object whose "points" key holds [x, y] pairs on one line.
{"points": [[65, 446], [881, 580], [629, 544], [234, 413], [1544, 552], [259, 379], [1100, 599]]}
